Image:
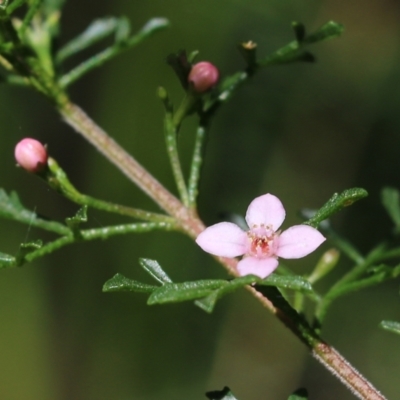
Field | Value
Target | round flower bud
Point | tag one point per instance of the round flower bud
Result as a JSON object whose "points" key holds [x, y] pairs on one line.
{"points": [[31, 155], [203, 76]]}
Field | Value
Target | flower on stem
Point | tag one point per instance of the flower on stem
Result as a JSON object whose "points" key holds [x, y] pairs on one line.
{"points": [[31, 155], [262, 244], [203, 76]]}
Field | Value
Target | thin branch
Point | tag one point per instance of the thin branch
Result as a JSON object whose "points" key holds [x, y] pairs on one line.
{"points": [[193, 226], [80, 121]]}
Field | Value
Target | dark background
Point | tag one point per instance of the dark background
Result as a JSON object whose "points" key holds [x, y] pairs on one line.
{"points": [[300, 132]]}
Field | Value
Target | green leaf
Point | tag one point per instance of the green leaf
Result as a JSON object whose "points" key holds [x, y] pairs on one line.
{"points": [[208, 303], [325, 264], [293, 282], [96, 31], [14, 5], [75, 222], [328, 31], [391, 326], [192, 56], [26, 248], [151, 27], [7, 261], [155, 270], [33, 9], [79, 218], [11, 208], [294, 51], [119, 283], [224, 90], [123, 29], [391, 201], [348, 284], [336, 203], [300, 394], [229, 84], [224, 394], [177, 292]]}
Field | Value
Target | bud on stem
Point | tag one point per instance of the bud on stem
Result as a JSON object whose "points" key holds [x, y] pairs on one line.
{"points": [[203, 76], [31, 155]]}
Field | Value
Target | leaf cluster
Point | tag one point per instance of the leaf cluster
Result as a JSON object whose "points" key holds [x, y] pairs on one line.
{"points": [[205, 292], [29, 52]]}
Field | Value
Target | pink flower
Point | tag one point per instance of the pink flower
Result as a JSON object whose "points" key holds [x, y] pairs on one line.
{"points": [[31, 155], [203, 76], [262, 244]]}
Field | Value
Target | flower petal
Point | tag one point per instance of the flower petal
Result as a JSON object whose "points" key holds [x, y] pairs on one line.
{"points": [[261, 267], [298, 241], [224, 239], [266, 210]]}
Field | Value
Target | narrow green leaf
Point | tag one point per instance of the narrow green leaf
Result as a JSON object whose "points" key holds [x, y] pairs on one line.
{"points": [[208, 303], [155, 270], [192, 56], [391, 326], [11, 208], [123, 29], [33, 9], [391, 201], [293, 282], [75, 222], [328, 31], [300, 394], [153, 26], [295, 50], [96, 31], [336, 203], [119, 283], [325, 264], [381, 273], [224, 394], [14, 5], [177, 292], [7, 261], [225, 90], [26, 248], [229, 84]]}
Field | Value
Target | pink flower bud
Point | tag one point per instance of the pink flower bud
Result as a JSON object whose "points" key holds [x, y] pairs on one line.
{"points": [[31, 155], [203, 76]]}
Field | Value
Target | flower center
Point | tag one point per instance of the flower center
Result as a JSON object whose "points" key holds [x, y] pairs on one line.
{"points": [[262, 241]]}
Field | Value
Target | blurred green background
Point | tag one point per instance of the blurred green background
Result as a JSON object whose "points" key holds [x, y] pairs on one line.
{"points": [[301, 132]]}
